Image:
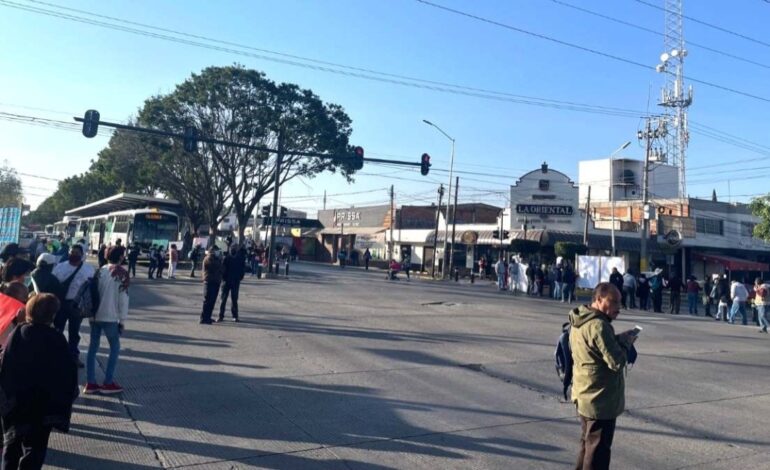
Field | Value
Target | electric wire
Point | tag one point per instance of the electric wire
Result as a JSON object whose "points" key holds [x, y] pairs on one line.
{"points": [[658, 33], [587, 49]]}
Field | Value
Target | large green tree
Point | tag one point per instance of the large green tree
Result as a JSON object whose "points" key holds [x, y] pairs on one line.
{"points": [[11, 193], [760, 207], [235, 104]]}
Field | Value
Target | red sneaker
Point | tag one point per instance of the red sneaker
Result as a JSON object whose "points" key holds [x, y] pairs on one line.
{"points": [[112, 388], [90, 389]]}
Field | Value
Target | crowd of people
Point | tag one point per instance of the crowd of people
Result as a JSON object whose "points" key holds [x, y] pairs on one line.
{"points": [[38, 372]]}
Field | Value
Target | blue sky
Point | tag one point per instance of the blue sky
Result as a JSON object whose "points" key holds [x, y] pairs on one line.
{"points": [[64, 67]]}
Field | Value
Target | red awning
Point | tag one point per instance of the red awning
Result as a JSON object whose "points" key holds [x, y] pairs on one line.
{"points": [[731, 263]]}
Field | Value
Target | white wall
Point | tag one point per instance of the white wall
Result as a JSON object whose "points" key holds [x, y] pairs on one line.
{"points": [[561, 192], [663, 184]]}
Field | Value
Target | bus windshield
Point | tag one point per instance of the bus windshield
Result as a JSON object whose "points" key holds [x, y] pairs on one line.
{"points": [[153, 226]]}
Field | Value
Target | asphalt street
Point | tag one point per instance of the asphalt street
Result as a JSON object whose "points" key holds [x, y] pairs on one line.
{"points": [[342, 369]]}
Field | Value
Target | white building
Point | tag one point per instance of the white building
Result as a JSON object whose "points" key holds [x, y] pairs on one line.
{"points": [[545, 199], [627, 177]]}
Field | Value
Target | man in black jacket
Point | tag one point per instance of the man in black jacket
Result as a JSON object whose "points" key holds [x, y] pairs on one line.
{"points": [[43, 278], [234, 268]]}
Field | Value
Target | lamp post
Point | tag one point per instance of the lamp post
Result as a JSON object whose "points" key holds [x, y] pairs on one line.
{"points": [[446, 221], [612, 193]]}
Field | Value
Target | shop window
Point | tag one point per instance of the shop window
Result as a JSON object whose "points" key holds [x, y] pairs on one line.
{"points": [[747, 229], [709, 226]]}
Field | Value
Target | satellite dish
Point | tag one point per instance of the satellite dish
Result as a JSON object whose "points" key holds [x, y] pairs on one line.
{"points": [[675, 53], [659, 68], [664, 57], [684, 52]]}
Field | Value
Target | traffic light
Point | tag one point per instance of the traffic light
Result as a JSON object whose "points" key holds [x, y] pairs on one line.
{"points": [[425, 164], [284, 212], [266, 211], [190, 139], [496, 234], [357, 162], [91, 123]]}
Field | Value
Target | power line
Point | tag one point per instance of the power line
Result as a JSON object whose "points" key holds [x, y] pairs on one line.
{"points": [[658, 33], [585, 49], [354, 72], [710, 25]]}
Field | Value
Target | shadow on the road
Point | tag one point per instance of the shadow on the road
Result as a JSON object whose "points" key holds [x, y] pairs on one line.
{"points": [[219, 416], [281, 323]]}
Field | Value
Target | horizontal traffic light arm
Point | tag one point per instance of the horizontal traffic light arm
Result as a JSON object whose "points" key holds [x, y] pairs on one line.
{"points": [[237, 144]]}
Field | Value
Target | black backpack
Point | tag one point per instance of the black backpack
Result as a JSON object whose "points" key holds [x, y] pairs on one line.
{"points": [[563, 359]]}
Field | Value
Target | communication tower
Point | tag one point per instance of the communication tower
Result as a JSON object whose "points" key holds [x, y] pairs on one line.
{"points": [[674, 98]]}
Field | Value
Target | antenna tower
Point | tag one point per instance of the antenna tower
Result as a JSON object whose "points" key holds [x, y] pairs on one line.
{"points": [[673, 96]]}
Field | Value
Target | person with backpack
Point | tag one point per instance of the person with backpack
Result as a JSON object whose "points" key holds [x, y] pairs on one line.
{"points": [[109, 319], [73, 275], [599, 359], [656, 287]]}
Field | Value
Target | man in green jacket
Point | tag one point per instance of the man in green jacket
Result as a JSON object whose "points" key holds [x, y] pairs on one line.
{"points": [[598, 388]]}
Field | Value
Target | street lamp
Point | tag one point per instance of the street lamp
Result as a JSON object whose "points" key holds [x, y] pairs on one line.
{"points": [[612, 193], [449, 199]]}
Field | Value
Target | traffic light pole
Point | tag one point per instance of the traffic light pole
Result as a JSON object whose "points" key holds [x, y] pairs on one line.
{"points": [[435, 231], [92, 126], [274, 218], [454, 226]]}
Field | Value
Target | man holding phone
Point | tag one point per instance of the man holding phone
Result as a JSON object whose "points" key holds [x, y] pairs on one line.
{"points": [[598, 386]]}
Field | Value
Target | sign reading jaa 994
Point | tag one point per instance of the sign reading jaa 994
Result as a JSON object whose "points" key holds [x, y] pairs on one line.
{"points": [[542, 209]]}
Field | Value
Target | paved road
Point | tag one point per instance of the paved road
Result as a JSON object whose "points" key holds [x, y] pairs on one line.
{"points": [[341, 369]]}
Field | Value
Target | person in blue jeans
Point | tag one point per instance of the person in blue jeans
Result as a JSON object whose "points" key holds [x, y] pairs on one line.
{"points": [[739, 295], [113, 283]]}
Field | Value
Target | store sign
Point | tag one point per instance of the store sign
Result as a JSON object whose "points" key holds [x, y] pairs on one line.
{"points": [[347, 217], [540, 209], [469, 237]]}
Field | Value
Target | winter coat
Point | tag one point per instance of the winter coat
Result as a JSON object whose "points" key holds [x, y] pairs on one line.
{"points": [[38, 380], [113, 294], [234, 267], [599, 357], [212, 269], [47, 282], [616, 279]]}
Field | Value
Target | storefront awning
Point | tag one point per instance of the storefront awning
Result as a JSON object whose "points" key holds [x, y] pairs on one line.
{"points": [[352, 230], [732, 263]]}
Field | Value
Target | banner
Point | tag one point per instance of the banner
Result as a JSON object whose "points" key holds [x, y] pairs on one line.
{"points": [[595, 269], [10, 225]]}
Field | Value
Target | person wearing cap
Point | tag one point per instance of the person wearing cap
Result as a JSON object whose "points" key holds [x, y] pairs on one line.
{"points": [[43, 279]]}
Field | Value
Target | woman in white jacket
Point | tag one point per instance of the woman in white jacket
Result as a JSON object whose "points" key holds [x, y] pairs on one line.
{"points": [[113, 282]]}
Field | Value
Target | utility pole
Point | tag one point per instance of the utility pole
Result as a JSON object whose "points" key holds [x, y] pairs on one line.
{"points": [[648, 135], [276, 187], [645, 199], [454, 226], [588, 215], [392, 217], [435, 232]]}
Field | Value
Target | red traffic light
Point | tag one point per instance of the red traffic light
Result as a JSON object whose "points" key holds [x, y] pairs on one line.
{"points": [[425, 164], [357, 162], [359, 151]]}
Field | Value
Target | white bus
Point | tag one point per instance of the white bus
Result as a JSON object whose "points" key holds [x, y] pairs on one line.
{"points": [[67, 227], [144, 227]]}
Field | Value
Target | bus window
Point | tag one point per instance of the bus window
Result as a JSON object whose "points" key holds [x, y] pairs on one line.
{"points": [[155, 226]]}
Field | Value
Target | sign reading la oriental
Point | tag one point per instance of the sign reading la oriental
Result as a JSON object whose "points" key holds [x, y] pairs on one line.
{"points": [[542, 209]]}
